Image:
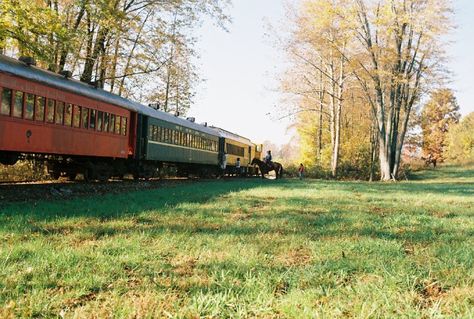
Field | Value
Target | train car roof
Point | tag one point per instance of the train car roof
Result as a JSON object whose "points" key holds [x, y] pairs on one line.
{"points": [[229, 135], [18, 68]]}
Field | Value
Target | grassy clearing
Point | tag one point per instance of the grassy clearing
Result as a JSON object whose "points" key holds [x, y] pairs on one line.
{"points": [[266, 249]]}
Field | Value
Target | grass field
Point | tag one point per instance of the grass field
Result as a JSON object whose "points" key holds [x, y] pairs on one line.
{"points": [[236, 249]]}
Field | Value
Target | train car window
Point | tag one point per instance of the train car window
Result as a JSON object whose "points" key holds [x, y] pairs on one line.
{"points": [[76, 117], [6, 101], [175, 137], [39, 108], [59, 117], [85, 117], [106, 121], [92, 118], [162, 136], [18, 104], [117, 124], [100, 120], [124, 126], [112, 123], [50, 111], [158, 133], [29, 106], [68, 115]]}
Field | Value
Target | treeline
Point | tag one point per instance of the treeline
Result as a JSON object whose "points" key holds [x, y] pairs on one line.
{"points": [[140, 49], [359, 74]]}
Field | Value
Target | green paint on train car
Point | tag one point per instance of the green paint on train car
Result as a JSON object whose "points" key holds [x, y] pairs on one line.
{"points": [[169, 142]]}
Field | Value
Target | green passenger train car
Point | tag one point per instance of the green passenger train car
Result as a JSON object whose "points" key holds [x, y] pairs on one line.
{"points": [[178, 141]]}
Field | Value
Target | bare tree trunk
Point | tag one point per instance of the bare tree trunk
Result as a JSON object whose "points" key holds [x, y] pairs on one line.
{"points": [[91, 59], [113, 72], [321, 104]]}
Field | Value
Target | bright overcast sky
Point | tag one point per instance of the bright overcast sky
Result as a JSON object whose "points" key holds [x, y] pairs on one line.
{"points": [[240, 68]]}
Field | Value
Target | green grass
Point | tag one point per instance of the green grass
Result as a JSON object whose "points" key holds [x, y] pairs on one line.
{"points": [[284, 249]]}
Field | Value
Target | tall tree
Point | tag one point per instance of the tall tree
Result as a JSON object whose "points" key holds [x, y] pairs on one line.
{"points": [[119, 45], [460, 141], [400, 51], [318, 49], [438, 115]]}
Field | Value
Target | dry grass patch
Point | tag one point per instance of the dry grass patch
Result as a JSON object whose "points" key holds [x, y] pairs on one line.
{"points": [[295, 257]]}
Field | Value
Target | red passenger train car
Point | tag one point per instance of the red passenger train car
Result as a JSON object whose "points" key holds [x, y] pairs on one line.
{"points": [[37, 117]]}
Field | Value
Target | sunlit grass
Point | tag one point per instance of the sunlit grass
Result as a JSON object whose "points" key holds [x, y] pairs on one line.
{"points": [[247, 249]]}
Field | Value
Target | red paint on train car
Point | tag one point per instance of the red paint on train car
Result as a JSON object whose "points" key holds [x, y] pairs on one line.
{"points": [[32, 136]]}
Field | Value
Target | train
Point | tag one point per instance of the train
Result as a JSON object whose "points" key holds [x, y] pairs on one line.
{"points": [[77, 128]]}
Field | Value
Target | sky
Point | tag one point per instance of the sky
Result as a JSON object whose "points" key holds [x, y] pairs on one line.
{"points": [[240, 68]]}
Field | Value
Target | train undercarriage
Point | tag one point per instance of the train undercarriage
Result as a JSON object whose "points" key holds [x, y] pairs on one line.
{"points": [[103, 169]]}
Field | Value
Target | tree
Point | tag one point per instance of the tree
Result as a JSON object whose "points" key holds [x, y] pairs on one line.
{"points": [[119, 45], [460, 141], [318, 51], [400, 53], [394, 51], [438, 116]]}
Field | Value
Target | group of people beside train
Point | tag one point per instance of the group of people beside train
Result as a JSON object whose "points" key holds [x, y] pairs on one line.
{"points": [[268, 161]]}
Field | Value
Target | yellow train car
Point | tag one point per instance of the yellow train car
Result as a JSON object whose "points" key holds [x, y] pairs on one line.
{"points": [[238, 147]]}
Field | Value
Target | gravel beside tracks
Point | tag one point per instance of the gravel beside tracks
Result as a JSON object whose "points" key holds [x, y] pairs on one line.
{"points": [[53, 190]]}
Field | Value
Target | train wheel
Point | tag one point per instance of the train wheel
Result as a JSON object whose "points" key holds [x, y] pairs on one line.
{"points": [[8, 159], [103, 176], [55, 175], [71, 176]]}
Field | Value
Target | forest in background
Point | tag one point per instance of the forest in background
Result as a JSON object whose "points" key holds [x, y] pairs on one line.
{"points": [[367, 86], [139, 49]]}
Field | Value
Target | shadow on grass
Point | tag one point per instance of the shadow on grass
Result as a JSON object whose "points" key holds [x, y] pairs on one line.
{"points": [[294, 215], [301, 220], [113, 206]]}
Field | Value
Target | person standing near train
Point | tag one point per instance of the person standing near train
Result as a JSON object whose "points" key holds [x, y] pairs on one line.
{"points": [[224, 163], [301, 171], [237, 167]]}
